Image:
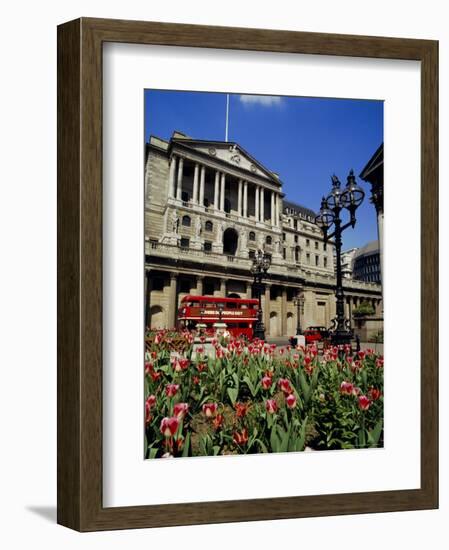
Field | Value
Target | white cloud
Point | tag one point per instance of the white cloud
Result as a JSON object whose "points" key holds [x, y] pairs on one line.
{"points": [[264, 100]]}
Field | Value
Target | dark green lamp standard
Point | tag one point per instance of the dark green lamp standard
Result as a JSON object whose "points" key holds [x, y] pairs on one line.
{"points": [[259, 268], [349, 198], [298, 301]]}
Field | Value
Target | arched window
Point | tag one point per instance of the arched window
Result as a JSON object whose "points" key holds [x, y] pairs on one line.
{"points": [[252, 236], [208, 226], [268, 240], [186, 221]]}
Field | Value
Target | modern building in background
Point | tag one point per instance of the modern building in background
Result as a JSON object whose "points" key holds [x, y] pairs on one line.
{"points": [[209, 206], [366, 263]]}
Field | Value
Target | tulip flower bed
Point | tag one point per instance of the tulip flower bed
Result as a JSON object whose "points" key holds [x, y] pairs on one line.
{"points": [[256, 398]]}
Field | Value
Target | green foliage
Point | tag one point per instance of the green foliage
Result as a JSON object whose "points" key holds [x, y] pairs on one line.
{"points": [[363, 310], [262, 399]]}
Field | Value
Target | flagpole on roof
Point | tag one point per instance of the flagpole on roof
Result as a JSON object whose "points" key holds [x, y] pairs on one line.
{"points": [[227, 117]]}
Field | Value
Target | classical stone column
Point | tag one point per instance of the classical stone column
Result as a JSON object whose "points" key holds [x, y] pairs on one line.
{"points": [[278, 221], [147, 298], [217, 190], [202, 182], [222, 288], [195, 183], [262, 204], [199, 285], [257, 203], [239, 200], [272, 208], [266, 311], [173, 301], [284, 312], [222, 191], [171, 186], [249, 290], [245, 199], [348, 308], [180, 174]]}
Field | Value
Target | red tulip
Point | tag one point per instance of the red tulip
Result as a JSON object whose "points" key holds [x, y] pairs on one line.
{"points": [[374, 394], [169, 426], [240, 438], [180, 410], [291, 401], [201, 367], [180, 364], [151, 400], [149, 367], [266, 382], [285, 386], [171, 389], [271, 406], [379, 362], [346, 388], [241, 409], [155, 375], [218, 421], [196, 380], [364, 402], [209, 409]]}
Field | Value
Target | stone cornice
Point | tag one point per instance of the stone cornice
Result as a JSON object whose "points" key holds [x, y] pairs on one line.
{"points": [[222, 166]]}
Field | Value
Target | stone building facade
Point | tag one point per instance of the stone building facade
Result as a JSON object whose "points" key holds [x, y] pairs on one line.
{"points": [[209, 206]]}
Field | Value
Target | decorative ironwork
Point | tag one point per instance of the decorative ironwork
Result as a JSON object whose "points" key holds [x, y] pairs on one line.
{"points": [[349, 198], [298, 302], [261, 264]]}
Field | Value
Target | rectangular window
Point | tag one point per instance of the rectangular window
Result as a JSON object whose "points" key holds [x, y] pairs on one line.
{"points": [[207, 246], [296, 238], [252, 254], [284, 253], [317, 260], [307, 242], [325, 262], [283, 236], [316, 245], [185, 242], [308, 258]]}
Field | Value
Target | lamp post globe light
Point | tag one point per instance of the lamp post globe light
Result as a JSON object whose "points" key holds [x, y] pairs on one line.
{"points": [[350, 198], [259, 268]]}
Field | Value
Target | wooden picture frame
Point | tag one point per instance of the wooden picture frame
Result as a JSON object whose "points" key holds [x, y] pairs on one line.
{"points": [[80, 504]]}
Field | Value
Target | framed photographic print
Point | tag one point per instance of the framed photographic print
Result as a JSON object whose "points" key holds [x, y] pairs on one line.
{"points": [[242, 315]]}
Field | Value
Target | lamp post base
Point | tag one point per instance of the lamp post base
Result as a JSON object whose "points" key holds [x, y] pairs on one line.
{"points": [[259, 331], [341, 337]]}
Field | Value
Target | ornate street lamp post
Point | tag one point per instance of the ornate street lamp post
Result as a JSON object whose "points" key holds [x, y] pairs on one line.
{"points": [[259, 268], [298, 302], [350, 198]]}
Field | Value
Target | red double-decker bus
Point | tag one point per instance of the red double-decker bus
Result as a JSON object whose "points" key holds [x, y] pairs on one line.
{"points": [[239, 314]]}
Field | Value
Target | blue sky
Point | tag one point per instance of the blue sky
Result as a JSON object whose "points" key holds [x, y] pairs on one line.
{"points": [[304, 140]]}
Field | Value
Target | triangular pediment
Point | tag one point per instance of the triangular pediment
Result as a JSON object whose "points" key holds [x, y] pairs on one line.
{"points": [[229, 153]]}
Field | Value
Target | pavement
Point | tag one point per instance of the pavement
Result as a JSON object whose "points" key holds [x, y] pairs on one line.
{"points": [[378, 348]]}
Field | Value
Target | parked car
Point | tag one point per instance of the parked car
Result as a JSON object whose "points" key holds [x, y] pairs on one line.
{"points": [[315, 334]]}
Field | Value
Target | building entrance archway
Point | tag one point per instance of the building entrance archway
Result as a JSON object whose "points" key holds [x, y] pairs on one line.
{"points": [[157, 320]]}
